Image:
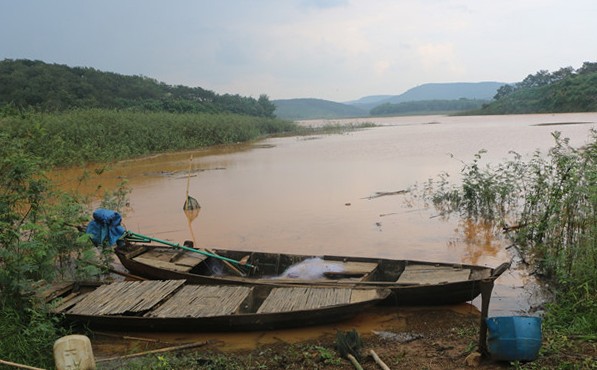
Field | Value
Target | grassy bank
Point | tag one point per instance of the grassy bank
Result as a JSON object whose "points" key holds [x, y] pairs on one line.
{"points": [[98, 135]]}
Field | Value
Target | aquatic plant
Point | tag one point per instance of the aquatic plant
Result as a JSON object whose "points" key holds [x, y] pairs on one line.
{"points": [[552, 200]]}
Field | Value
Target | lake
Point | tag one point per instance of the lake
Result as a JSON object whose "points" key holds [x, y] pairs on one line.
{"points": [[319, 194]]}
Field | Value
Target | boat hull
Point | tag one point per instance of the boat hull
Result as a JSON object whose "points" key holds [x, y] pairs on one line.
{"points": [[461, 284], [244, 314]]}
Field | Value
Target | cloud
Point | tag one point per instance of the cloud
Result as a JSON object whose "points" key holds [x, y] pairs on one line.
{"points": [[323, 4], [332, 49]]}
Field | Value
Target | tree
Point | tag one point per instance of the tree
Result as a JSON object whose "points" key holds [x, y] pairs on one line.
{"points": [[267, 107], [504, 91]]}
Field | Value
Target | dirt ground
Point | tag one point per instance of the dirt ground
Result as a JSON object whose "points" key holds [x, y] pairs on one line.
{"points": [[434, 340], [415, 339]]}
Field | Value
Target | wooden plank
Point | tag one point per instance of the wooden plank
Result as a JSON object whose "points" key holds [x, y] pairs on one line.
{"points": [[69, 301], [190, 259], [203, 301], [362, 295], [125, 297], [303, 298], [163, 264], [430, 274], [353, 268]]}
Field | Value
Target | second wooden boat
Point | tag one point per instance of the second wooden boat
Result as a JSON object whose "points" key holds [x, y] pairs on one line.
{"points": [[411, 282], [175, 305]]}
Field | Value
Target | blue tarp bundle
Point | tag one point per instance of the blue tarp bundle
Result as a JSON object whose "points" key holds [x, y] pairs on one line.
{"points": [[105, 228]]}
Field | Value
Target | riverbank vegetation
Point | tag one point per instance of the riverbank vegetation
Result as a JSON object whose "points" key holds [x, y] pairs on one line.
{"points": [[548, 206], [82, 136]]}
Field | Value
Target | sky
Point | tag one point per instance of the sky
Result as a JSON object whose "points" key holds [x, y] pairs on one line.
{"points": [[339, 50]]}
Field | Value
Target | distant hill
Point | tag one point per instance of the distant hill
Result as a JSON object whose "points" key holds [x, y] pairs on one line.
{"points": [[301, 109], [434, 91]]}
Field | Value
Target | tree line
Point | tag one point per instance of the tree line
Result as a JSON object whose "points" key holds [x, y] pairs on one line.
{"points": [[561, 91], [26, 84], [427, 106]]}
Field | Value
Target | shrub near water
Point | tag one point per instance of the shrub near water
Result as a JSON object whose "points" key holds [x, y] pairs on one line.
{"points": [[37, 243], [553, 200], [96, 135]]}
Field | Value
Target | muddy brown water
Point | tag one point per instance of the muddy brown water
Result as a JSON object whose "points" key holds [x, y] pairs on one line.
{"points": [[320, 194]]}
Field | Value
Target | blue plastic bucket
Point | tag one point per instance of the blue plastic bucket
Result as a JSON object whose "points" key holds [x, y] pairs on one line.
{"points": [[514, 338]]}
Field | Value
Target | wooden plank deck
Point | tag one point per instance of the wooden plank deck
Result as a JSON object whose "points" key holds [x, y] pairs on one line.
{"points": [[303, 298], [430, 274], [163, 259], [126, 296], [203, 301]]}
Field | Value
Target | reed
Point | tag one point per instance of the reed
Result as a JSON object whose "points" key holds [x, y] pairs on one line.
{"points": [[99, 135]]}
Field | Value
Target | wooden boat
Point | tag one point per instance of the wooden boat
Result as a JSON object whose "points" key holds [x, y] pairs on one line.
{"points": [[411, 282], [175, 305]]}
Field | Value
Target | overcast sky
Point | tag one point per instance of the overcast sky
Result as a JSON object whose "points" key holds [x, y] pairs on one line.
{"points": [[337, 50]]}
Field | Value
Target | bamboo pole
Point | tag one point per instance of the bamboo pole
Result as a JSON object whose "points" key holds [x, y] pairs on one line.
{"points": [[20, 366], [137, 237], [160, 350], [378, 360], [135, 277], [354, 362]]}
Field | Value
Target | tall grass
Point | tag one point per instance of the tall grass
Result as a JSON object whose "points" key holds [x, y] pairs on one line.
{"points": [[98, 135], [550, 203]]}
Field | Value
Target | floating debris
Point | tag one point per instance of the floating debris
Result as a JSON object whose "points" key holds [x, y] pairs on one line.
{"points": [[385, 193]]}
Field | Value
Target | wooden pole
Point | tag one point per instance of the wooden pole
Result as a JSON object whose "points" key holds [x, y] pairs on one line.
{"points": [[486, 288]]}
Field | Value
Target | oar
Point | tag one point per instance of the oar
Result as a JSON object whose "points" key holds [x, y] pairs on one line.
{"points": [[140, 237]]}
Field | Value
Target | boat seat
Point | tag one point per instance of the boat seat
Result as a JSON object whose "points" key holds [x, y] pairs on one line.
{"points": [[163, 259], [360, 270], [420, 274]]}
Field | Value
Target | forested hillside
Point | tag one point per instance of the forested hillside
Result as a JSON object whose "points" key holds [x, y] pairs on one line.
{"points": [[565, 90], [54, 87]]}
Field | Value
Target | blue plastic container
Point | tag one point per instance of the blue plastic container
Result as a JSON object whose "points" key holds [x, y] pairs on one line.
{"points": [[514, 338]]}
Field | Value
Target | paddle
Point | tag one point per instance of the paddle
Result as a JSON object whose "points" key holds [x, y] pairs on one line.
{"points": [[132, 236]]}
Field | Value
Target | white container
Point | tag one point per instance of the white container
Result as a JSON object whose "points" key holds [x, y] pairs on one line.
{"points": [[73, 352]]}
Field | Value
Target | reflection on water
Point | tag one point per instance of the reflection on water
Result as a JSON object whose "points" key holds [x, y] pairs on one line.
{"points": [[317, 197]]}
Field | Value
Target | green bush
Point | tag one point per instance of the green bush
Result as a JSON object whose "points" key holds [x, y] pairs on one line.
{"points": [[39, 241]]}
